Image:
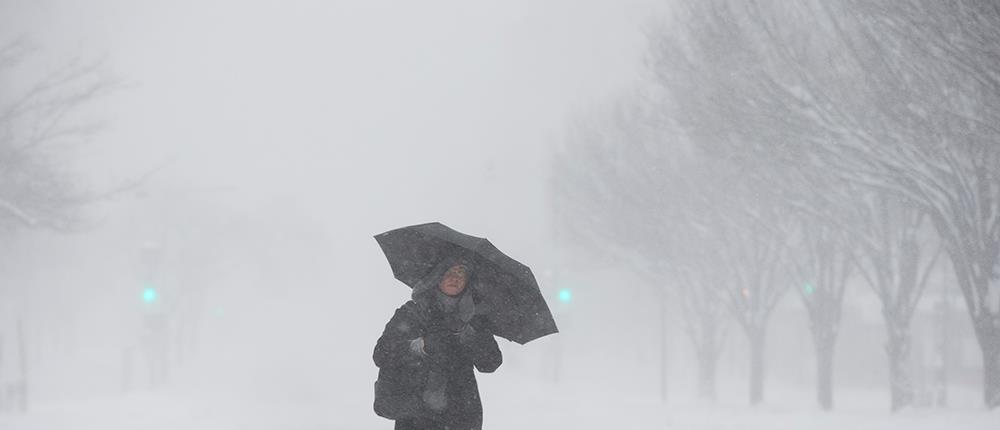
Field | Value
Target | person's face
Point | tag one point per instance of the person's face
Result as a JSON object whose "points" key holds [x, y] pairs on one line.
{"points": [[453, 281]]}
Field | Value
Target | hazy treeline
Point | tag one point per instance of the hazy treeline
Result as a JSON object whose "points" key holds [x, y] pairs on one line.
{"points": [[778, 148]]}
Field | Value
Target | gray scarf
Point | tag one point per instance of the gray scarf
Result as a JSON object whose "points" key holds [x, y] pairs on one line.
{"points": [[457, 310], [447, 303]]}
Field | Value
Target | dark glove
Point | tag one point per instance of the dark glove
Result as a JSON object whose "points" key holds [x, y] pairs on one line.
{"points": [[481, 324], [474, 330]]}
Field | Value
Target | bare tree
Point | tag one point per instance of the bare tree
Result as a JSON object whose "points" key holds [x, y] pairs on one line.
{"points": [[899, 97], [914, 115], [689, 247], [753, 257], [710, 61], [822, 270], [893, 232], [619, 183], [37, 126], [36, 129], [699, 298]]}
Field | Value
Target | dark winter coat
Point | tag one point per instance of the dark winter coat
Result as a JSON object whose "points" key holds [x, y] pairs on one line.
{"points": [[403, 372]]}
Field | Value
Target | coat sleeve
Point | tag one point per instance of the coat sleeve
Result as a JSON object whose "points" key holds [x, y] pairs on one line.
{"points": [[483, 348], [393, 347]]}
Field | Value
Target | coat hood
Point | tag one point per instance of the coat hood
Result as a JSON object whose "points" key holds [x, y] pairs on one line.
{"points": [[428, 285]]}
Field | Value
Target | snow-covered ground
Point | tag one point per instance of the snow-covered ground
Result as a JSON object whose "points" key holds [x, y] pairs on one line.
{"points": [[510, 403]]}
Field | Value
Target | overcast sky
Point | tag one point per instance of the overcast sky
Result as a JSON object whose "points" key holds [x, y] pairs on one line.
{"points": [[365, 111], [341, 119]]}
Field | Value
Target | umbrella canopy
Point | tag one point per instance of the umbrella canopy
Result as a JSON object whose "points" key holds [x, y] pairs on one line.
{"points": [[509, 293]]}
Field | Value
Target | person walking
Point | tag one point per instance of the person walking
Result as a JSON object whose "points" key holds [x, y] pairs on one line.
{"points": [[428, 350]]}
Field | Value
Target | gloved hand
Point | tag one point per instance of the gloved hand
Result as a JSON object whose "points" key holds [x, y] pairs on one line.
{"points": [[417, 346], [476, 328]]}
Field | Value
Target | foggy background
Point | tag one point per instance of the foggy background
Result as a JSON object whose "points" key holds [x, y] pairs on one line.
{"points": [[256, 148]]}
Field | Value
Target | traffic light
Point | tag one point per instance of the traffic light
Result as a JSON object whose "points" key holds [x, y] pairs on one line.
{"points": [[149, 293], [150, 254], [808, 289], [565, 295]]}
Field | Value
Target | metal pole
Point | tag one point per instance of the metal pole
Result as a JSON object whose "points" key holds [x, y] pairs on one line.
{"points": [[942, 347], [663, 345], [23, 361]]}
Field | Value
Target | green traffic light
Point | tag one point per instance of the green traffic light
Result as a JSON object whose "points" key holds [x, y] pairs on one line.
{"points": [[149, 295], [565, 295], [808, 288]]}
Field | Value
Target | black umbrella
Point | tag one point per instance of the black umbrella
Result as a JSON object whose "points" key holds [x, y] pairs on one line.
{"points": [[509, 294]]}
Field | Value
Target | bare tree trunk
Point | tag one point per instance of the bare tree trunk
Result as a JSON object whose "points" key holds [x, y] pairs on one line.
{"points": [[756, 336], [824, 372], [702, 328], [824, 322], [985, 320], [898, 351], [708, 357], [989, 339], [706, 379]]}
